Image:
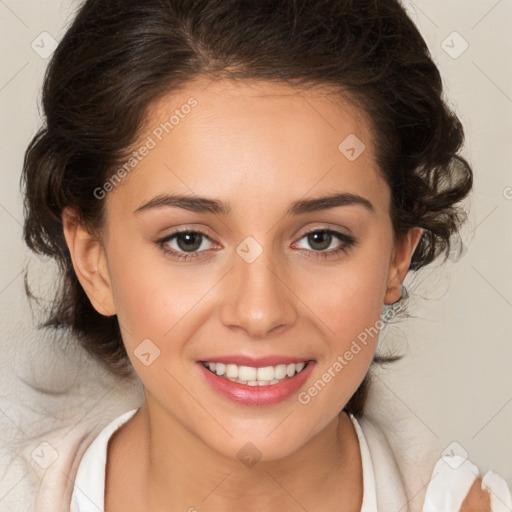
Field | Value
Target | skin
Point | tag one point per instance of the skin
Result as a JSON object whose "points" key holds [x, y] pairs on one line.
{"points": [[260, 147], [478, 499]]}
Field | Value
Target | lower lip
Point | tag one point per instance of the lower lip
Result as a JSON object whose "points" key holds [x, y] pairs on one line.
{"points": [[257, 395]]}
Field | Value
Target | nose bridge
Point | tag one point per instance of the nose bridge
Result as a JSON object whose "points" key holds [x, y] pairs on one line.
{"points": [[259, 300]]}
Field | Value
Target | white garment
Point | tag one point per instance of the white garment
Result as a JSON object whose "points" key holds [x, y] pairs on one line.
{"points": [[89, 490], [451, 480]]}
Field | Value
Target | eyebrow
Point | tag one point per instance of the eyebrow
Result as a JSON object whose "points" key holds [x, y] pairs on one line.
{"points": [[206, 205]]}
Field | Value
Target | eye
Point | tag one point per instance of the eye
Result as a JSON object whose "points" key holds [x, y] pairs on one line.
{"points": [[182, 245], [322, 239], [186, 245]]}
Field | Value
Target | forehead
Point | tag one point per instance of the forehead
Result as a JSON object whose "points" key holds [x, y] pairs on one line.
{"points": [[228, 138], [268, 112]]}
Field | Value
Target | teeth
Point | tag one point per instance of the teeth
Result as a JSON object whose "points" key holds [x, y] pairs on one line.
{"points": [[280, 371], [264, 376], [232, 371], [246, 373], [266, 373]]}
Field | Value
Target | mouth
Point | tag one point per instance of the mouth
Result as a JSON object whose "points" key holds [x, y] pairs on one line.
{"points": [[255, 376], [256, 385]]}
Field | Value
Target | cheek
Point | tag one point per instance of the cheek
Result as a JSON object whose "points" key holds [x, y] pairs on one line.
{"points": [[349, 306], [351, 298], [154, 296], [150, 297]]}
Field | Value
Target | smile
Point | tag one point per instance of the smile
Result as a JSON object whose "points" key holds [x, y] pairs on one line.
{"points": [[252, 376], [256, 385]]}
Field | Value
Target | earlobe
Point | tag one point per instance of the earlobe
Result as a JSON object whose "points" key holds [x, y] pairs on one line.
{"points": [[89, 262], [400, 264]]}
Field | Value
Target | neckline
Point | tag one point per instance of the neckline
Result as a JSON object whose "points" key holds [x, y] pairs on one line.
{"points": [[90, 478], [369, 503], [89, 485]]}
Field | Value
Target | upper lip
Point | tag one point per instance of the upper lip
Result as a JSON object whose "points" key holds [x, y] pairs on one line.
{"points": [[255, 362]]}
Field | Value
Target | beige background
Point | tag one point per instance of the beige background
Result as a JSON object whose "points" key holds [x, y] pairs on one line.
{"points": [[455, 384]]}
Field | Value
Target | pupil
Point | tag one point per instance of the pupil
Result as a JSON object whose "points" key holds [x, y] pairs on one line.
{"points": [[193, 240], [194, 237], [319, 235]]}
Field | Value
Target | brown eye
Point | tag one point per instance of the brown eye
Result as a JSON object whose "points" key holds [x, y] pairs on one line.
{"points": [[183, 245], [189, 241], [321, 239]]}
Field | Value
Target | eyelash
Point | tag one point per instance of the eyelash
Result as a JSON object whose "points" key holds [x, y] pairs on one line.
{"points": [[348, 241]]}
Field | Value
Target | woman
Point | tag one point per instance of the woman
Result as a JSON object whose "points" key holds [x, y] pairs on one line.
{"points": [[235, 191]]}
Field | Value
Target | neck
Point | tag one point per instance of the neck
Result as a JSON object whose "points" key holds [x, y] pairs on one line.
{"points": [[178, 471]]}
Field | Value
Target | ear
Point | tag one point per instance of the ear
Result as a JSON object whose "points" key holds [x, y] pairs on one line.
{"points": [[90, 263], [400, 263]]}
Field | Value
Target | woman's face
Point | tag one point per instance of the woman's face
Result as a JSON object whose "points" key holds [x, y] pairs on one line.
{"points": [[272, 274]]}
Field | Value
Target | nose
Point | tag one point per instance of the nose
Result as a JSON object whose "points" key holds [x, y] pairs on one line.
{"points": [[258, 298]]}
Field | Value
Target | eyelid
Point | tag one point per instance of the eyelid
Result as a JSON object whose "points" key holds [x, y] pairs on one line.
{"points": [[205, 232], [346, 242], [326, 228], [172, 235]]}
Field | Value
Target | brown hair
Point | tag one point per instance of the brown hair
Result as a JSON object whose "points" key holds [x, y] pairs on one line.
{"points": [[118, 57]]}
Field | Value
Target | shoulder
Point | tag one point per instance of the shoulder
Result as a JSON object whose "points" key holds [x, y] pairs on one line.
{"points": [[456, 485], [389, 484], [478, 498], [38, 473]]}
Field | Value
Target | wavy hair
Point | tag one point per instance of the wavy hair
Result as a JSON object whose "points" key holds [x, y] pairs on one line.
{"points": [[118, 57]]}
